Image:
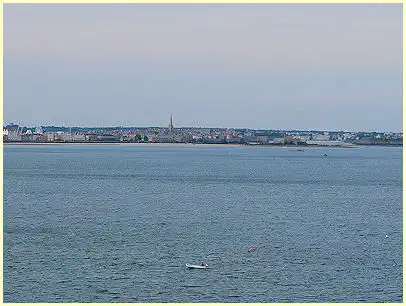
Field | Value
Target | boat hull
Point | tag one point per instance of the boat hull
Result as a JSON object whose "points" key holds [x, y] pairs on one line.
{"points": [[196, 266]]}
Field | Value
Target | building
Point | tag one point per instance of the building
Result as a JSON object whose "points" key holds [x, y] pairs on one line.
{"points": [[161, 138], [304, 138], [263, 139], [279, 140], [50, 136], [78, 137], [108, 138], [319, 137], [39, 130]]}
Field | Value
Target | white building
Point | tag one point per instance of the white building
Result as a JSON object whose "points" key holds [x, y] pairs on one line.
{"points": [[319, 137], [50, 136], [13, 135], [304, 138], [66, 136], [78, 137], [39, 130]]}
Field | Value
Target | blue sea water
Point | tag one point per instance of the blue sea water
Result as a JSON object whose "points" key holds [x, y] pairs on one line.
{"points": [[118, 223]]}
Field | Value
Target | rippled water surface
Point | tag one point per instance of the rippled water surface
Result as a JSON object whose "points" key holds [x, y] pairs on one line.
{"points": [[107, 223]]}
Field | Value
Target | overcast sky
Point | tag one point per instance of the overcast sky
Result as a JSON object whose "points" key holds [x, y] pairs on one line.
{"points": [[273, 66]]}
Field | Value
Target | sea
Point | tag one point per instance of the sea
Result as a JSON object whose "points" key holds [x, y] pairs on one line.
{"points": [[119, 223]]}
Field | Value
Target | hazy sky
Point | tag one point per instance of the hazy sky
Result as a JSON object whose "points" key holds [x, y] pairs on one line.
{"points": [[290, 66]]}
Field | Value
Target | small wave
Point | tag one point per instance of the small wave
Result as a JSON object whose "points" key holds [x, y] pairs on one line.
{"points": [[192, 286], [113, 293], [64, 281], [119, 278], [232, 276]]}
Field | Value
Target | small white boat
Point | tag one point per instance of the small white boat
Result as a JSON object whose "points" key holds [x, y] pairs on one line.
{"points": [[197, 266]]}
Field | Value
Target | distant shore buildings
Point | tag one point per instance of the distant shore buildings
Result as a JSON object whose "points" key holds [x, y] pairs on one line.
{"points": [[13, 133]]}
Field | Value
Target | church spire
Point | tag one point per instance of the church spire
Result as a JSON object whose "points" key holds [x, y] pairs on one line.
{"points": [[170, 128]]}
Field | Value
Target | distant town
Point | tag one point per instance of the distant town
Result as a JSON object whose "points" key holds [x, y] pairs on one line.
{"points": [[14, 133]]}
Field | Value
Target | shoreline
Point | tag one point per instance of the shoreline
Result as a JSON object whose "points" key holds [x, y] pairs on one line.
{"points": [[196, 144]]}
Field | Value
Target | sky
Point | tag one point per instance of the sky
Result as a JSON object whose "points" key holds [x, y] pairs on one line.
{"points": [[262, 66]]}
